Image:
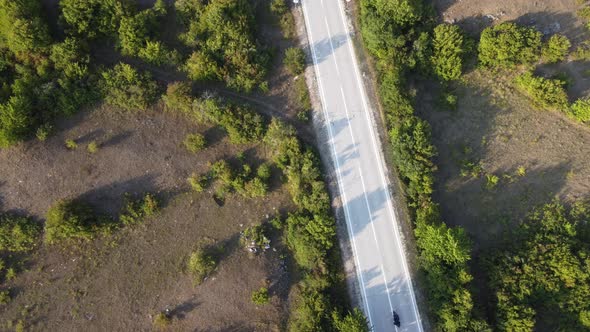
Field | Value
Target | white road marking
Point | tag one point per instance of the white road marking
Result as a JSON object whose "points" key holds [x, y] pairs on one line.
{"points": [[338, 174], [375, 236]]}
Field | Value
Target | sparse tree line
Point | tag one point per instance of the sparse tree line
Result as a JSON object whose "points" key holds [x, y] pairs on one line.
{"points": [[402, 37]]}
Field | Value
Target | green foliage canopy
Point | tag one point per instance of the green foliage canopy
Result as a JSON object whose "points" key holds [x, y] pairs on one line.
{"points": [[448, 51], [125, 87], [508, 44]]}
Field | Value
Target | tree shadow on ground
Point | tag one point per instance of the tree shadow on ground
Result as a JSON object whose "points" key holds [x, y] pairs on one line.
{"points": [[475, 143]]}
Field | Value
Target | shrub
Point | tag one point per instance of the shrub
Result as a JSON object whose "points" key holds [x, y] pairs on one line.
{"points": [[44, 131], [71, 144], [556, 48], [294, 60], [302, 95], [545, 263], [580, 110], [227, 48], [178, 97], [4, 297], [69, 220], [263, 172], [200, 265], [194, 142], [255, 188], [162, 320], [448, 52], [286, 20], [156, 53], [507, 44], [545, 93], [354, 321], [197, 183], [201, 67], [125, 87], [260, 297], [491, 181], [18, 234], [242, 124], [135, 211], [92, 147]]}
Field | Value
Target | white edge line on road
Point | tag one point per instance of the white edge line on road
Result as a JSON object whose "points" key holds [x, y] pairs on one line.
{"points": [[338, 175], [382, 173], [375, 237]]}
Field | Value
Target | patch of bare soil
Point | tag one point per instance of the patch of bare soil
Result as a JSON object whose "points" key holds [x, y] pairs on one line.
{"points": [[120, 283], [137, 152]]}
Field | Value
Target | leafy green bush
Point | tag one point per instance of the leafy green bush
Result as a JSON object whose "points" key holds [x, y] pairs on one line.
{"points": [[242, 124], [94, 18], [545, 93], [92, 147], [202, 67], [22, 30], [197, 183], [70, 220], [200, 265], [18, 234], [294, 60], [125, 87], [580, 110], [302, 95], [194, 142], [354, 321], [260, 297], [544, 266], [227, 48], [178, 97], [134, 211], [556, 48], [448, 52], [508, 44], [71, 144]]}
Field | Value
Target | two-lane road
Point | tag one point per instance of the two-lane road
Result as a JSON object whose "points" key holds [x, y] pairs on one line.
{"points": [[380, 260]]}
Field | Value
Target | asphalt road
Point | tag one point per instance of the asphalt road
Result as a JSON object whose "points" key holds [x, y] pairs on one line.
{"points": [[375, 238]]}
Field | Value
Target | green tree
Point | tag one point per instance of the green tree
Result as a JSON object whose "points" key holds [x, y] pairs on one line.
{"points": [[448, 51], [21, 28], [544, 269], [94, 18], [556, 48], [125, 87], [507, 44]]}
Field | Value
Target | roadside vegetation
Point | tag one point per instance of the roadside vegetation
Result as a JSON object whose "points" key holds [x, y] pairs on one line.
{"points": [[530, 268], [109, 56]]}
